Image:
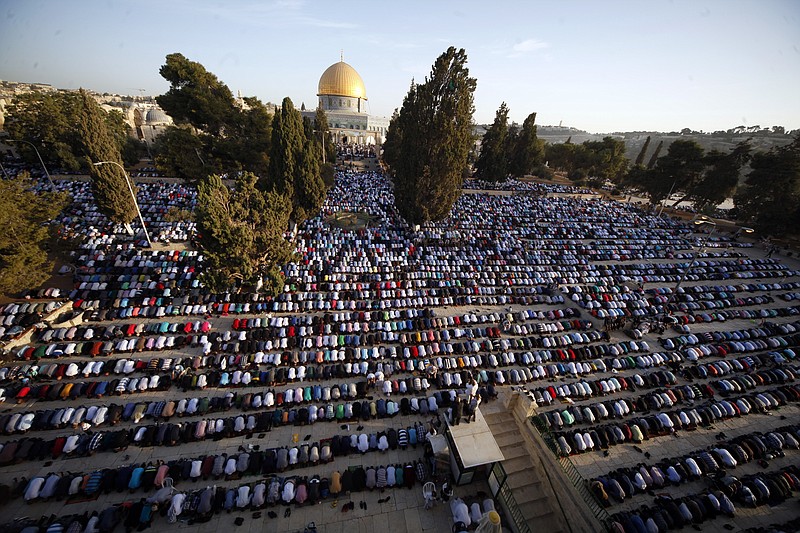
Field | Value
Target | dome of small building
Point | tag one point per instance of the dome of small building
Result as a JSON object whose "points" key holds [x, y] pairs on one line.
{"points": [[340, 79], [156, 116]]}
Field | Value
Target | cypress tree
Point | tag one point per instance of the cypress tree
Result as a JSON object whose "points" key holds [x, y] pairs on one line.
{"points": [[242, 233], [654, 158], [294, 169], [24, 216], [528, 149], [109, 185], [642, 152], [429, 140], [492, 163]]}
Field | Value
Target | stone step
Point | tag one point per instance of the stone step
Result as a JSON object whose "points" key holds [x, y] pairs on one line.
{"points": [[528, 494], [523, 478], [517, 464], [508, 438], [537, 509], [545, 523], [512, 452], [494, 419]]}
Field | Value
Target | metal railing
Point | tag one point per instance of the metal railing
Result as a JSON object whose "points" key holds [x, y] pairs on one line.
{"points": [[509, 503], [572, 474]]}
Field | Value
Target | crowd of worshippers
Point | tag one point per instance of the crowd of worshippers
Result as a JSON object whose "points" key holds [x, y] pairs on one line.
{"points": [[199, 505], [373, 330], [390, 266], [725, 492], [361, 151]]}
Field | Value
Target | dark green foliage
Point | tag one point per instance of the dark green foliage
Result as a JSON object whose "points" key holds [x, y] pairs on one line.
{"points": [[721, 176], [294, 168], [241, 233], [606, 159], [492, 163], [706, 179], [214, 133], [109, 185], [640, 158], [770, 197], [195, 96], [602, 160], [654, 157], [50, 122], [561, 156], [429, 139], [328, 173], [528, 150], [178, 153], [23, 217]]}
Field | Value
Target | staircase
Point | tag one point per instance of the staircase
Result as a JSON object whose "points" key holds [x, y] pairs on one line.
{"points": [[544, 497], [525, 482]]}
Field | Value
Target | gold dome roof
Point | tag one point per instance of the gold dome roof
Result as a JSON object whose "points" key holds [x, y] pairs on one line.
{"points": [[340, 79]]}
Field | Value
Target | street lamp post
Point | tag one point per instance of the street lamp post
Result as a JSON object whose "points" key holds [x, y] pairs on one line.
{"points": [[130, 188], [46, 173], [664, 201], [686, 272]]}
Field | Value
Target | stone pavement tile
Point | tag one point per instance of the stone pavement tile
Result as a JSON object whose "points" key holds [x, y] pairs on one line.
{"points": [[412, 520]]}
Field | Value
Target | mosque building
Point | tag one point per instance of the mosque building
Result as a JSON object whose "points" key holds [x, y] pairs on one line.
{"points": [[343, 97]]}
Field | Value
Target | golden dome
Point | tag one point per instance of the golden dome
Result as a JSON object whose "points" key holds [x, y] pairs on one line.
{"points": [[340, 79]]}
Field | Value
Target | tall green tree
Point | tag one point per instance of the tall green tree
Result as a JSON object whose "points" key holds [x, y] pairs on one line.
{"points": [[528, 149], [294, 167], [492, 163], [561, 156], [770, 197], [241, 233], [683, 165], [606, 159], [24, 215], [195, 96], [179, 153], [109, 185], [679, 170], [427, 151], [721, 176], [654, 157], [50, 120], [230, 136], [640, 158]]}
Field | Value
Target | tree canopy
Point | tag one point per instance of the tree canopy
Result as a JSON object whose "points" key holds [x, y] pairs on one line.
{"points": [[770, 197], [241, 233], [109, 184], [50, 121], [706, 179], [527, 152], [213, 132], [600, 160], [492, 163], [429, 139], [24, 215], [294, 169]]}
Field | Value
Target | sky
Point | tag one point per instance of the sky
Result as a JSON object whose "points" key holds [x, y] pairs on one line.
{"points": [[600, 66]]}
